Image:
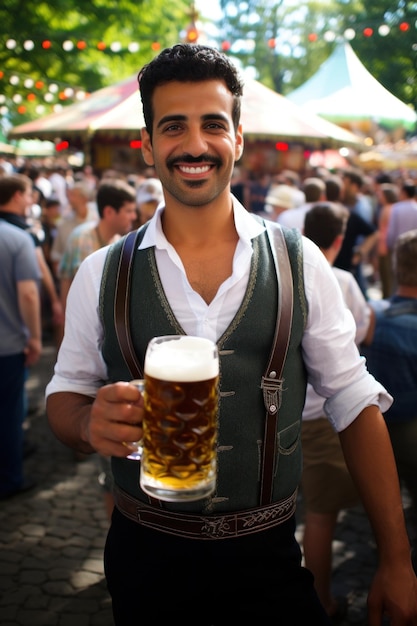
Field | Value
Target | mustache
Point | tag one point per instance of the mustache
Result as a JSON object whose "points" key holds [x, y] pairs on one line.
{"points": [[191, 160]]}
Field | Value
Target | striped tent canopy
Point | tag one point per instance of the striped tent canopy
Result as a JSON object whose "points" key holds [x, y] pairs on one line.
{"points": [[117, 111]]}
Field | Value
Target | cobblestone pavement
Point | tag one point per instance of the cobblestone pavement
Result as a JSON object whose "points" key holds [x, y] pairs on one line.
{"points": [[52, 537]]}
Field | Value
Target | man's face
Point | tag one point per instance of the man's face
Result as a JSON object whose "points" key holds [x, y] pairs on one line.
{"points": [[350, 191], [124, 218], [147, 209], [77, 200], [194, 145], [24, 200]]}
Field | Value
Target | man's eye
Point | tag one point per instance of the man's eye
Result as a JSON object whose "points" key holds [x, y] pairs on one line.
{"points": [[215, 126], [172, 128]]}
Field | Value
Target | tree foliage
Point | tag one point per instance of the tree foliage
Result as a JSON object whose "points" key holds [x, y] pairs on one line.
{"points": [[89, 21], [285, 42], [392, 59], [272, 38]]}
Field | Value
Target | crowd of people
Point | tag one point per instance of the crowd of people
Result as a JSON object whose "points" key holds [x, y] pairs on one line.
{"points": [[356, 418], [66, 216], [366, 226], [381, 204]]}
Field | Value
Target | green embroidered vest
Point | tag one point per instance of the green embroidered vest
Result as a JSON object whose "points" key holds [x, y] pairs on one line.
{"points": [[244, 351]]}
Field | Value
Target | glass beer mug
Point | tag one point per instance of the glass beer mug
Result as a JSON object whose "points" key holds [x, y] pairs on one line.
{"points": [[178, 448]]}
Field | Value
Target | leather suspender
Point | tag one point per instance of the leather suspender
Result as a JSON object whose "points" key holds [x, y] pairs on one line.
{"points": [[271, 381], [122, 305], [122, 313]]}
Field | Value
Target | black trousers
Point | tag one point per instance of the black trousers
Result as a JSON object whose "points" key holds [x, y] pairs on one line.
{"points": [[156, 578]]}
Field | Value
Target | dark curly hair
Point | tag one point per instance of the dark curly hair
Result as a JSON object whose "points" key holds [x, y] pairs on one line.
{"points": [[188, 63]]}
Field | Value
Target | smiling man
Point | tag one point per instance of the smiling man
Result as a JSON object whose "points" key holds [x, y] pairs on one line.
{"points": [[205, 266]]}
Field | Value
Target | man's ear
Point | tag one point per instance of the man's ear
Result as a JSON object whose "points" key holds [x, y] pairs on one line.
{"points": [[109, 209], [239, 143], [337, 243], [147, 151]]}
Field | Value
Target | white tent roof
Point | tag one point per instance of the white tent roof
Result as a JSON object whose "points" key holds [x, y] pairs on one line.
{"points": [[342, 90]]}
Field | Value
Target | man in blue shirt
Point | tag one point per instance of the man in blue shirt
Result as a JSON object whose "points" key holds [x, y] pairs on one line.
{"points": [[391, 355]]}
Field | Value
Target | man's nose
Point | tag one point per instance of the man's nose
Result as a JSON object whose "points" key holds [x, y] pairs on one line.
{"points": [[194, 142]]}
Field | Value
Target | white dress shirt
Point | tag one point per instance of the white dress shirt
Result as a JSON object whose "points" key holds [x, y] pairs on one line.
{"points": [[357, 305], [334, 365], [294, 218]]}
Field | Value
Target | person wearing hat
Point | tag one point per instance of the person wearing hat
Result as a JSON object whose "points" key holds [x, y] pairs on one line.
{"points": [[280, 198], [314, 190], [148, 196]]}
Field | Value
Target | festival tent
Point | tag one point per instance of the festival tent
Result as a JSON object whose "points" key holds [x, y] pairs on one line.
{"points": [[6, 148], [116, 111], [344, 92], [27, 148]]}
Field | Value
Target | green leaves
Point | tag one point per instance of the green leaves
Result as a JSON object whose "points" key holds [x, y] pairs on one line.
{"points": [[84, 44]]}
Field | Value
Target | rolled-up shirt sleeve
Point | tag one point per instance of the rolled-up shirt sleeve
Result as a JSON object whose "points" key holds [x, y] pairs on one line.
{"points": [[334, 365]]}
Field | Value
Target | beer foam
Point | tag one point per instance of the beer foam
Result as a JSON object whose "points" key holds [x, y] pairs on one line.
{"points": [[183, 359]]}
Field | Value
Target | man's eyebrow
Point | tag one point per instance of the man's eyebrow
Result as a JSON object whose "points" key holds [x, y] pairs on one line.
{"points": [[171, 118], [181, 118], [215, 116]]}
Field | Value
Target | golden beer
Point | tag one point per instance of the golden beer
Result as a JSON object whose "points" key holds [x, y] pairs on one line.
{"points": [[180, 422]]}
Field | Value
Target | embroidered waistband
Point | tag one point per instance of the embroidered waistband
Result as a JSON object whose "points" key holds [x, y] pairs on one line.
{"points": [[197, 526]]}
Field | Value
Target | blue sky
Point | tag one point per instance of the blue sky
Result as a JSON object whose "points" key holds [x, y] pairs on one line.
{"points": [[210, 10]]}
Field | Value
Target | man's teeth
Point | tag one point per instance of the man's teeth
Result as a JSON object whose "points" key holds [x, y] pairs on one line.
{"points": [[195, 170]]}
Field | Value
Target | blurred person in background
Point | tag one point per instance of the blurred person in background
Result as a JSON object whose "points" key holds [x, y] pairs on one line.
{"points": [[79, 197], [314, 190], [334, 188], [360, 240], [391, 355], [6, 166], [403, 216], [15, 200], [293, 179], [387, 194], [148, 195], [240, 185], [50, 217], [279, 199], [326, 484], [354, 196], [116, 204], [20, 348], [259, 184], [59, 186]]}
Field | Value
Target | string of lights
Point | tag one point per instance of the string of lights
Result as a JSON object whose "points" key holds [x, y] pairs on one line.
{"points": [[382, 30], [192, 35], [70, 45], [46, 96], [45, 93]]}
